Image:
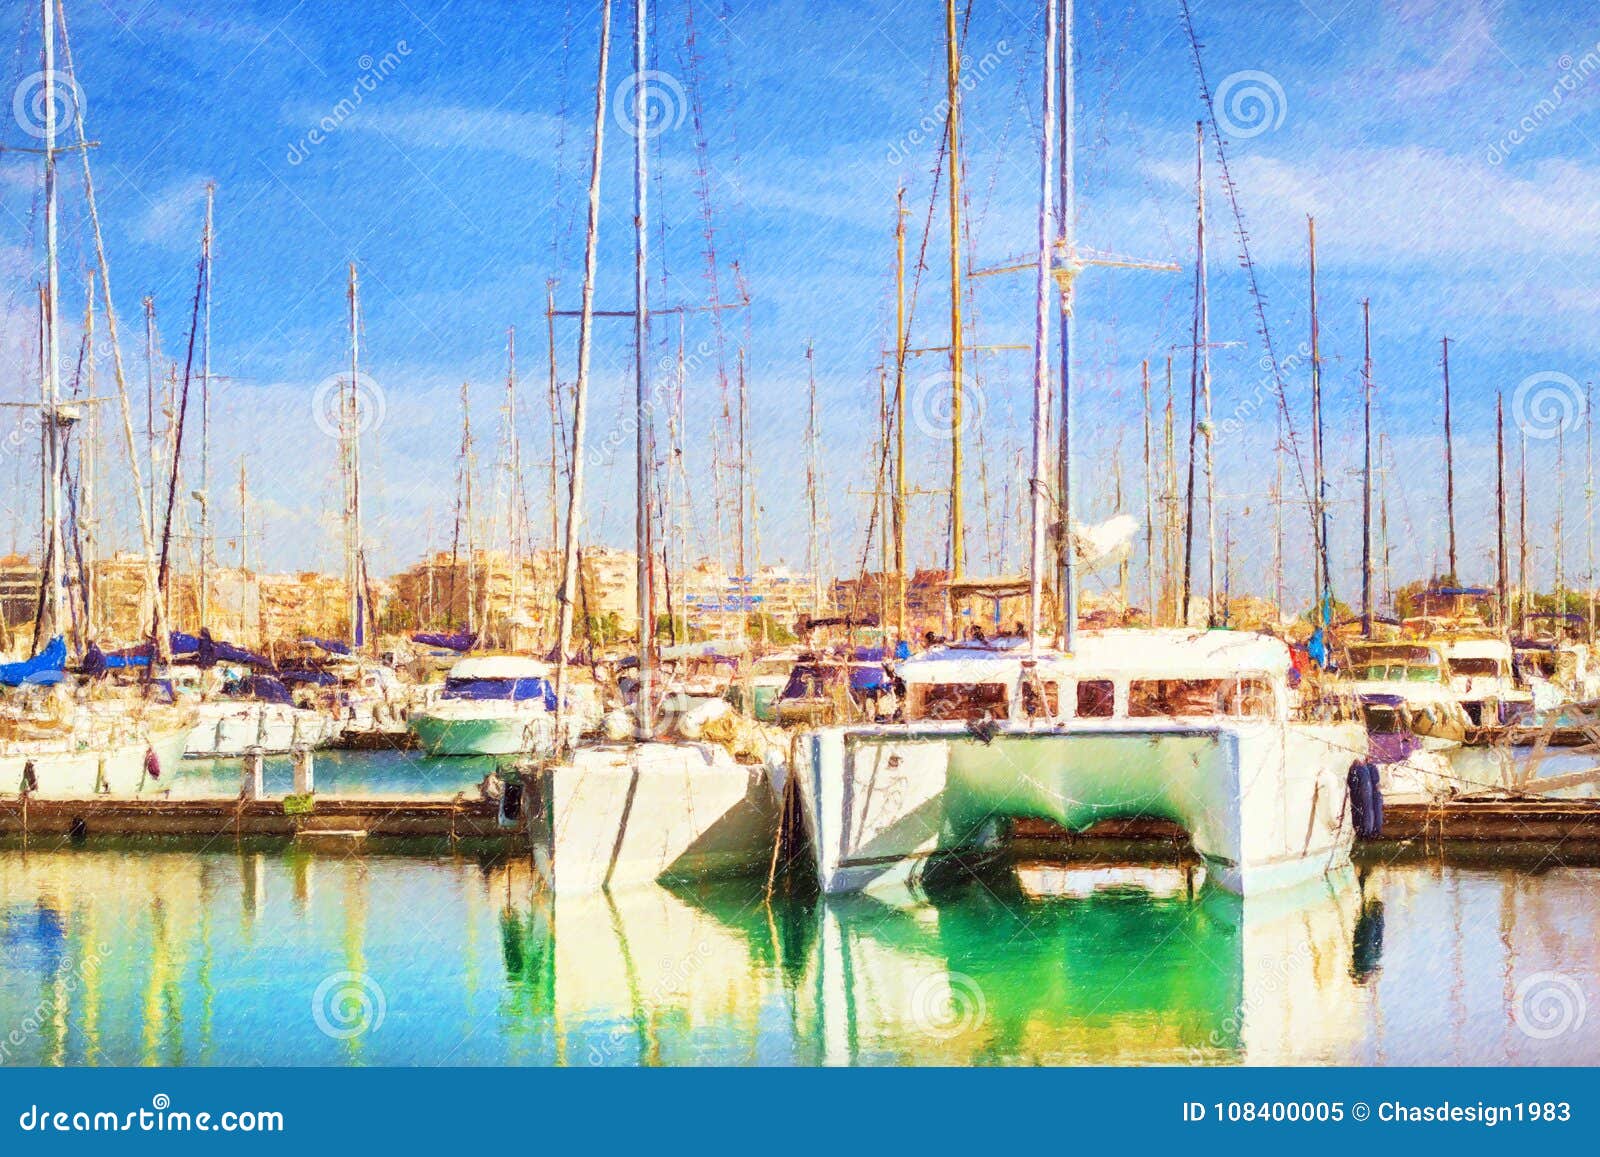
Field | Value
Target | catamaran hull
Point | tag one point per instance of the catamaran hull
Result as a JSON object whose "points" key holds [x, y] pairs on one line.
{"points": [[117, 770], [629, 814], [1264, 803]]}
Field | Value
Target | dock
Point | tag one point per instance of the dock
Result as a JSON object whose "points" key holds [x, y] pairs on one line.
{"points": [[411, 822]]}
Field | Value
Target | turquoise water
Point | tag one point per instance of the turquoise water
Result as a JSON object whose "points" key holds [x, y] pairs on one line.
{"points": [[230, 956], [342, 773]]}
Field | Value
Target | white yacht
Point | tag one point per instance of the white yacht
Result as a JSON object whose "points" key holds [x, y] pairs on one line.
{"points": [[1201, 728], [496, 705]]}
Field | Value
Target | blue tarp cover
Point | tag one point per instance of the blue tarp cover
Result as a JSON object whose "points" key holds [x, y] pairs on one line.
{"points": [[45, 669]]}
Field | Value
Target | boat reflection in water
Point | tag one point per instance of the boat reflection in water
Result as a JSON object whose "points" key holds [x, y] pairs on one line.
{"points": [[275, 957]]}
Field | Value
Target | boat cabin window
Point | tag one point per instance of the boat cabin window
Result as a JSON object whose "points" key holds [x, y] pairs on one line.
{"points": [[959, 701], [528, 687], [1474, 668], [1031, 707], [1149, 698], [1097, 698]]}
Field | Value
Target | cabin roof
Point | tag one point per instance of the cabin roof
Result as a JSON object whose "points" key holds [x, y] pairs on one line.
{"points": [[1171, 653], [500, 667]]}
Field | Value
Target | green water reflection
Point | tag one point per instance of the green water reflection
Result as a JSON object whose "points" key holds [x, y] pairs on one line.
{"points": [[227, 957]]}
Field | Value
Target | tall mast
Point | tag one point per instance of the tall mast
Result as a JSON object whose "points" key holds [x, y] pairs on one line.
{"points": [[52, 340], [1522, 538], [569, 554], [1449, 467], [900, 410], [466, 496], [1204, 308], [1277, 519], [1066, 210], [1588, 499], [1149, 499], [554, 405], [1319, 510], [641, 353], [1038, 482], [744, 482], [1560, 525], [814, 545], [952, 124], [1366, 469], [514, 483], [205, 419], [88, 448], [1502, 583], [150, 399], [350, 431]]}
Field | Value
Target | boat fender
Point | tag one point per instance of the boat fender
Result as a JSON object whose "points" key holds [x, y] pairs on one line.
{"points": [[511, 802], [1366, 799]]}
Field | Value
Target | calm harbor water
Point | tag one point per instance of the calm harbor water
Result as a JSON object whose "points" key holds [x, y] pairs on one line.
{"points": [[230, 956]]}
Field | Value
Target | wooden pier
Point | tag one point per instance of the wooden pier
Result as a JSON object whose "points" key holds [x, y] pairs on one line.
{"points": [[424, 823]]}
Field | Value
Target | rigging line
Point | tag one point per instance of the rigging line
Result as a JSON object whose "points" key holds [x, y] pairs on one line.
{"points": [[1245, 259]]}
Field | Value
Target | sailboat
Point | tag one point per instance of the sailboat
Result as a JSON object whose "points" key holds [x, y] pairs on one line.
{"points": [[1198, 727], [632, 811], [57, 737]]}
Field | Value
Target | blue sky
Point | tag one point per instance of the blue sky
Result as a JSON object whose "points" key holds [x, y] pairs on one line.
{"points": [[456, 185]]}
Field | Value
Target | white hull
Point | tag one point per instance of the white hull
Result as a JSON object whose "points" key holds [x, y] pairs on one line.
{"points": [[1264, 803], [232, 729], [629, 814], [116, 769]]}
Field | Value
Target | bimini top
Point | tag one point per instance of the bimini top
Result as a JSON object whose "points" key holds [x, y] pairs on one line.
{"points": [[499, 667], [1172, 653]]}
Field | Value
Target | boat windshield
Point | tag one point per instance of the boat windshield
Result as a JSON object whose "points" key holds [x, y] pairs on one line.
{"points": [[1396, 673], [529, 687], [1472, 668]]}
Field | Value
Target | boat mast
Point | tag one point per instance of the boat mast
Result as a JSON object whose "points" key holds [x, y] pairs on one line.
{"points": [[1366, 468], [514, 484], [641, 351], [1066, 272], [1449, 467], [814, 542], [1588, 498], [569, 553], [52, 337], [1197, 342], [1522, 539], [900, 410], [1319, 510], [1204, 308], [1502, 583], [1560, 528], [466, 495], [88, 450], [205, 418], [1149, 499], [1038, 482], [350, 433], [952, 125]]}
